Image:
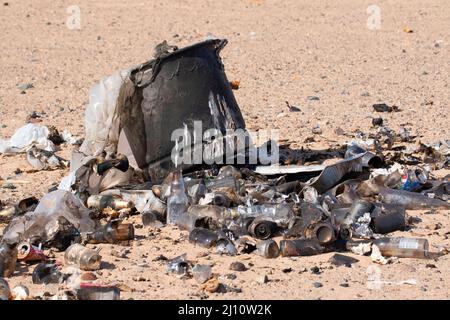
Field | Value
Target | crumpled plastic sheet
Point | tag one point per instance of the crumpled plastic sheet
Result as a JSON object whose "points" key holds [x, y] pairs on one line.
{"points": [[82, 178], [42, 224], [25, 137], [102, 120]]}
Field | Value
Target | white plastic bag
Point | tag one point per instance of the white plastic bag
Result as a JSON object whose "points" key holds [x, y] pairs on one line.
{"points": [[101, 118], [26, 136]]}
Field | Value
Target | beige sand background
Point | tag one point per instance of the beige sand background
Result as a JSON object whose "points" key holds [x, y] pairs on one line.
{"points": [[278, 50]]}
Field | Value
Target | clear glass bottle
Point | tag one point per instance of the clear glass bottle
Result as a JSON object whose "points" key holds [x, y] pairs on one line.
{"points": [[178, 202], [84, 258], [113, 232], [403, 247]]}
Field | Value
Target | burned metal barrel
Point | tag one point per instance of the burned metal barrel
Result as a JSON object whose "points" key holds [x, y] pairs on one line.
{"points": [[172, 92]]}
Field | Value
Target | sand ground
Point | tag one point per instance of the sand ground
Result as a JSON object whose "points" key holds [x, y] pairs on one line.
{"points": [[278, 50]]}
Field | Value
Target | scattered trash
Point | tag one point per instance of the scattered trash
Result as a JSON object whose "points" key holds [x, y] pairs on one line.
{"points": [[336, 200]]}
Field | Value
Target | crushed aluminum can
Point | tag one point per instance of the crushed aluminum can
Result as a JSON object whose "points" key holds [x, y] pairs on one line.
{"points": [[412, 180], [29, 253]]}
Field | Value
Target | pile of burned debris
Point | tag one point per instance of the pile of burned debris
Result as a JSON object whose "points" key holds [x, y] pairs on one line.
{"points": [[125, 168]]}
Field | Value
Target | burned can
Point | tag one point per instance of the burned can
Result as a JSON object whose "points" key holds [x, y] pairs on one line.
{"points": [[120, 163], [45, 273], [345, 232], [229, 171], [29, 253], [102, 202], [112, 232], [262, 229], [151, 218], [203, 237], [221, 199], [89, 291], [300, 247], [268, 249], [413, 180], [191, 221], [84, 258], [157, 205], [388, 222], [4, 290], [358, 209], [324, 233], [27, 204]]}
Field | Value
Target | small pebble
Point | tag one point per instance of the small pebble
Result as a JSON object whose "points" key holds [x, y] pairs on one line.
{"points": [[8, 185], [263, 279], [377, 122], [237, 266], [315, 270], [317, 285], [317, 130]]}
